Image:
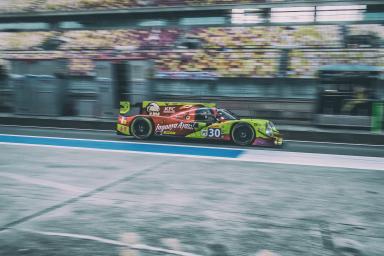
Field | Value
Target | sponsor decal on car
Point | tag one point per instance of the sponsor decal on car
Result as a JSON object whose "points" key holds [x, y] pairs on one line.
{"points": [[169, 133], [169, 110], [153, 109], [161, 128], [214, 133], [122, 120], [174, 126], [211, 133]]}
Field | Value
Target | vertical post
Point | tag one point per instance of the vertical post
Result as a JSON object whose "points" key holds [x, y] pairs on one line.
{"points": [[377, 116]]}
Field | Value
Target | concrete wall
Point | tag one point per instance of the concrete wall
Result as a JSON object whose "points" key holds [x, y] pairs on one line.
{"points": [[283, 88], [276, 98]]}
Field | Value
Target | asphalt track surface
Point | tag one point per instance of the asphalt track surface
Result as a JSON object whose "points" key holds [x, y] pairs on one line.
{"points": [[289, 146], [67, 201]]}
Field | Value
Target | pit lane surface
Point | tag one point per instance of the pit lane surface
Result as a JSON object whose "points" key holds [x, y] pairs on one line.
{"points": [[289, 146], [64, 201]]}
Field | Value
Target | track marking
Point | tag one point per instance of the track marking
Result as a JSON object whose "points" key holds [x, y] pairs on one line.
{"points": [[124, 146], [314, 159], [260, 156], [41, 182], [139, 247], [334, 143], [125, 152], [121, 142], [326, 237], [78, 198], [172, 243], [130, 238], [112, 130], [266, 253], [264, 156]]}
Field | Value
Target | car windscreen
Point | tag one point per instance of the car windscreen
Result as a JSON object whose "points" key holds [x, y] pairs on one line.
{"points": [[226, 114]]}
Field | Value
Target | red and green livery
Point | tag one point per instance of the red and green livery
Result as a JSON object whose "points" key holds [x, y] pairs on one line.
{"points": [[195, 120]]}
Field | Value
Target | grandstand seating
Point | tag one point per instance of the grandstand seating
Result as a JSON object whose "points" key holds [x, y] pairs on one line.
{"points": [[128, 39], [252, 51], [225, 64], [304, 63], [211, 38], [23, 40], [81, 66], [365, 29], [219, 38], [72, 5], [272, 36], [16, 5]]}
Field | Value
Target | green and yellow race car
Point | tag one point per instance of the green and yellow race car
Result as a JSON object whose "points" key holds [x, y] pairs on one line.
{"points": [[195, 120]]}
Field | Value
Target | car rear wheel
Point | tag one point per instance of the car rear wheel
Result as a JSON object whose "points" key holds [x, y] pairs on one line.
{"points": [[141, 128], [243, 134]]}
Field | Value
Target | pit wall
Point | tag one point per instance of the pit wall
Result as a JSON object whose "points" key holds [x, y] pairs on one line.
{"points": [[94, 97]]}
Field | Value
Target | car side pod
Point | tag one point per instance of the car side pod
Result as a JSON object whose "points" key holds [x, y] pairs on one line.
{"points": [[122, 130]]}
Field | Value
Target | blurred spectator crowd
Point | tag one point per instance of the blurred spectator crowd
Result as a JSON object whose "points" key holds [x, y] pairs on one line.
{"points": [[256, 51], [72, 5], [268, 36], [218, 38], [304, 63]]}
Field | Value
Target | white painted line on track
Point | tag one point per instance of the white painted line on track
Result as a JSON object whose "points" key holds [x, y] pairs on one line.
{"points": [[140, 247], [334, 143], [112, 131], [314, 159], [262, 156], [122, 142], [119, 151], [43, 182]]}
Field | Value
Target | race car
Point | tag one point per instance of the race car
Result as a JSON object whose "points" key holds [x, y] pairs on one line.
{"points": [[197, 121]]}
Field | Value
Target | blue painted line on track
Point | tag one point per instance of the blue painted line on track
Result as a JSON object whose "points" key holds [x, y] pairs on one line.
{"points": [[136, 147]]}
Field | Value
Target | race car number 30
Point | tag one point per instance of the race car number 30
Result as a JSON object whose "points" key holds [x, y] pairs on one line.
{"points": [[214, 133]]}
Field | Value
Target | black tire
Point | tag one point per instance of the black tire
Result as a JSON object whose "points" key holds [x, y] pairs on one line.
{"points": [[141, 128], [242, 134]]}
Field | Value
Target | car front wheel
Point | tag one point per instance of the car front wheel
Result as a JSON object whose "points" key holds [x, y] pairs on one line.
{"points": [[243, 134]]}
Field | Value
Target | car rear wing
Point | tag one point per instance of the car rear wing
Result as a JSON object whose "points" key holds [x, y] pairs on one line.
{"points": [[125, 107], [162, 108]]}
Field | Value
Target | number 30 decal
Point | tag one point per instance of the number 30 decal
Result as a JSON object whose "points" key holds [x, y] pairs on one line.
{"points": [[214, 133]]}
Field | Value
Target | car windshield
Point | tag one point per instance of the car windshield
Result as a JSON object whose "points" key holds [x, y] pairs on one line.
{"points": [[226, 114]]}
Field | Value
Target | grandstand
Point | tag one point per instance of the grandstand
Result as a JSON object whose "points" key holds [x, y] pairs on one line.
{"points": [[246, 41], [71, 5], [231, 51]]}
